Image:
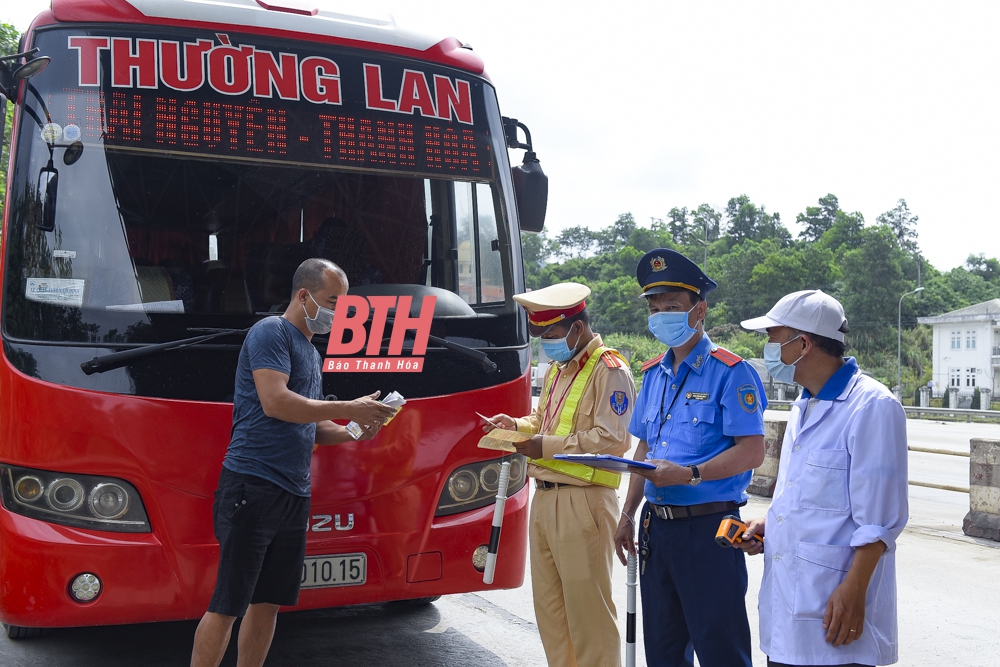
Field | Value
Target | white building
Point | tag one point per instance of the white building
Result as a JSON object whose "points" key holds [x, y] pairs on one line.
{"points": [[966, 350]]}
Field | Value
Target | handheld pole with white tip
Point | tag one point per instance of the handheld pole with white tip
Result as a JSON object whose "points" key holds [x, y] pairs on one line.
{"points": [[630, 614], [491, 554]]}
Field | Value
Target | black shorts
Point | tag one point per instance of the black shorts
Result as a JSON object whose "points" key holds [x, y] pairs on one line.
{"points": [[261, 530]]}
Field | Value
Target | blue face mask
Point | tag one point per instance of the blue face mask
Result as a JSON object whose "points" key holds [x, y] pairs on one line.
{"points": [[672, 329], [778, 369], [557, 349]]}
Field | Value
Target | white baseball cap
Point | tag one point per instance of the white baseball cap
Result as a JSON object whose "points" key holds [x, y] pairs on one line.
{"points": [[811, 311]]}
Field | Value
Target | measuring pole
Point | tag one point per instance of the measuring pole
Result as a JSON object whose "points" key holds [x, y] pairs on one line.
{"points": [[491, 554], [630, 614]]}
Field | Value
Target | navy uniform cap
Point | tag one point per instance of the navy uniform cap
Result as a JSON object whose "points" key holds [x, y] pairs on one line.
{"points": [[664, 270]]}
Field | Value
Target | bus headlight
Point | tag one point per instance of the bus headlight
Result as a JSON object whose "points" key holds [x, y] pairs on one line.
{"points": [[82, 501], [28, 489], [65, 494], [108, 501], [475, 485]]}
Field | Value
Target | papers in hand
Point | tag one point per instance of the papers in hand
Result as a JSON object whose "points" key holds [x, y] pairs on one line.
{"points": [[502, 439], [605, 462]]}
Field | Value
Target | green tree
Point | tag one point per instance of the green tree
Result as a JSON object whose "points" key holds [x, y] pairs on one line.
{"points": [[678, 225], [9, 38], [987, 269], [575, 242], [746, 221], [616, 236], [903, 225], [816, 220], [735, 299], [536, 249], [845, 232], [615, 306], [655, 236], [705, 217], [804, 266]]}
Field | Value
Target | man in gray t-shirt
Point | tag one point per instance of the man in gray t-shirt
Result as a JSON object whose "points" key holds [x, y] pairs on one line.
{"points": [[262, 503]]}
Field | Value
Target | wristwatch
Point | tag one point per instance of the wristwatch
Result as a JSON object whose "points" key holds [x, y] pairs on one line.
{"points": [[695, 476]]}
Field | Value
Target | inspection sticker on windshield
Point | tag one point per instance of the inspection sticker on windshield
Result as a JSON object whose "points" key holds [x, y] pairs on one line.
{"points": [[62, 291]]}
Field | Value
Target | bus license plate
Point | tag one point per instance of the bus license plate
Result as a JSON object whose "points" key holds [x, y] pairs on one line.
{"points": [[342, 570]]}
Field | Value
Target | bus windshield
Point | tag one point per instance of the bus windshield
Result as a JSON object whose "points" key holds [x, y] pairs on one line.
{"points": [[162, 222]]}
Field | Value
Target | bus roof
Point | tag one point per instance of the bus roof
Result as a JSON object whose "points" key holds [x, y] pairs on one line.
{"points": [[311, 20]]}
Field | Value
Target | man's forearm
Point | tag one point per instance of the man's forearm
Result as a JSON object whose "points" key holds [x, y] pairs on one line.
{"points": [[746, 454], [328, 433], [866, 558], [288, 406]]}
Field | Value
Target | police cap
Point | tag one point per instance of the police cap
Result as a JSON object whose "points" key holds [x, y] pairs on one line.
{"points": [[664, 270], [553, 304]]}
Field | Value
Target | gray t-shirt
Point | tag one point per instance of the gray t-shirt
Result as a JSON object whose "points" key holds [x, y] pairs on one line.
{"points": [[278, 451]]}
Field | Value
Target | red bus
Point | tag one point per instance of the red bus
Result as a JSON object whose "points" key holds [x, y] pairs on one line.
{"points": [[170, 167]]}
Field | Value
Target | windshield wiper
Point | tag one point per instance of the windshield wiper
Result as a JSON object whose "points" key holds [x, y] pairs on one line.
{"points": [[118, 359], [487, 364]]}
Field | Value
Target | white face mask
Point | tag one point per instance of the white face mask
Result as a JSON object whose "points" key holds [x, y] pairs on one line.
{"points": [[323, 322], [778, 369]]}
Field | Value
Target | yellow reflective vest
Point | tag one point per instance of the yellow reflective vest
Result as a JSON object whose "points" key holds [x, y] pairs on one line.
{"points": [[566, 419]]}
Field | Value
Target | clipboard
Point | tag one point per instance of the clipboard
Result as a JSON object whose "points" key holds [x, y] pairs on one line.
{"points": [[605, 462]]}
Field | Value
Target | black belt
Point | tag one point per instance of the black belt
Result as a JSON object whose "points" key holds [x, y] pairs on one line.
{"points": [[542, 484], [670, 512]]}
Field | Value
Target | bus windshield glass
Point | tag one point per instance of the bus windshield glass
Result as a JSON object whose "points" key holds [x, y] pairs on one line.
{"points": [[167, 183]]}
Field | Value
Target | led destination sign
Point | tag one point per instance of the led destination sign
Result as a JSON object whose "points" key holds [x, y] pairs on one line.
{"points": [[215, 97]]}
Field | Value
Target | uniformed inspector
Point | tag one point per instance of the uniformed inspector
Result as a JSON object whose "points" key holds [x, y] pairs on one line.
{"points": [[699, 418], [584, 408]]}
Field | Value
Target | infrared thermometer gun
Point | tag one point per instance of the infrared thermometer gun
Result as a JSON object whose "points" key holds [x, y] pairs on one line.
{"points": [[731, 532]]}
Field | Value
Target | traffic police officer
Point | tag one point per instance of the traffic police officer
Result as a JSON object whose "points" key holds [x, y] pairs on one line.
{"points": [[584, 408], [699, 418]]}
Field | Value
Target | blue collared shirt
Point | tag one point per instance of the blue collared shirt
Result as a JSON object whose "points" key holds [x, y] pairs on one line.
{"points": [[695, 415], [837, 382]]}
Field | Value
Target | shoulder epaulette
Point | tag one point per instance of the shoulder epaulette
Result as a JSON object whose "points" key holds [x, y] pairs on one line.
{"points": [[725, 356], [652, 362], [614, 359]]}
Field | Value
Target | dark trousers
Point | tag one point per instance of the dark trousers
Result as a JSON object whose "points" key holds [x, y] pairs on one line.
{"points": [[693, 595]]}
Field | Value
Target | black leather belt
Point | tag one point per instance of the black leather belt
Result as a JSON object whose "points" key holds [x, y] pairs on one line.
{"points": [[541, 484], [670, 512]]}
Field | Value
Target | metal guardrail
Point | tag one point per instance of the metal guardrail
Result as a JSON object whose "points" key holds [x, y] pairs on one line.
{"points": [[930, 450], [917, 410]]}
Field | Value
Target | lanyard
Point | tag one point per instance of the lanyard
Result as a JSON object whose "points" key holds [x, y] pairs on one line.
{"points": [[548, 402], [664, 414]]}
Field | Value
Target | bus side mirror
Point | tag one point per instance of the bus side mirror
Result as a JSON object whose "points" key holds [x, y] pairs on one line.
{"points": [[531, 185], [531, 189], [48, 186]]}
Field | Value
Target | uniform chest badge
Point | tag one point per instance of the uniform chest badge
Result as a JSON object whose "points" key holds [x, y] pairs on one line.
{"points": [[748, 397], [619, 402], [696, 396], [658, 263]]}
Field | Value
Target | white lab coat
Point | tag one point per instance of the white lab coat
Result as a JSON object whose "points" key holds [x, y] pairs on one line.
{"points": [[842, 483]]}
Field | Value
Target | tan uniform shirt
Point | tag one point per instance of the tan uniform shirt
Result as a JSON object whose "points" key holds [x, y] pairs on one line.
{"points": [[597, 428]]}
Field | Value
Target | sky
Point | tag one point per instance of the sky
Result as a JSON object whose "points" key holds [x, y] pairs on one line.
{"points": [[643, 106]]}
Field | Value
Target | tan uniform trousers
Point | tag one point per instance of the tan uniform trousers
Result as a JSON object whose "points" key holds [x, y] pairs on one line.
{"points": [[571, 542]]}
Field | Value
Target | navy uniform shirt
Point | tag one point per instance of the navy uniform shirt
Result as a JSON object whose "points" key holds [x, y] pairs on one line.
{"points": [[704, 407]]}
